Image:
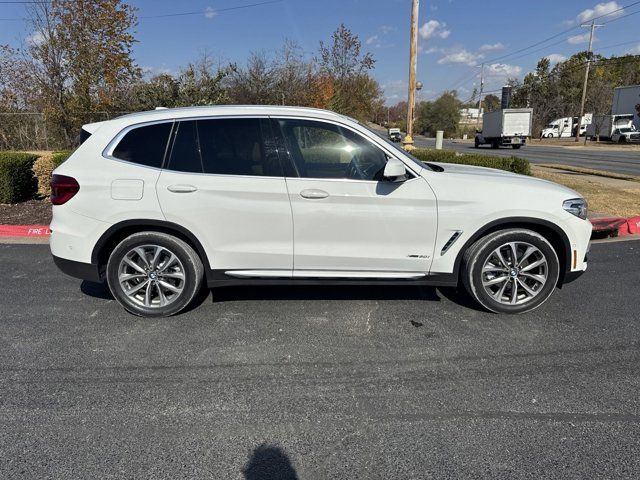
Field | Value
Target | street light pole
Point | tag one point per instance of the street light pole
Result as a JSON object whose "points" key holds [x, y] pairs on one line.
{"points": [[413, 52], [586, 77]]}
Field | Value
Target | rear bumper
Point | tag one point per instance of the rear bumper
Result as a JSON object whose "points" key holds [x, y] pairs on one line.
{"points": [[84, 271]]}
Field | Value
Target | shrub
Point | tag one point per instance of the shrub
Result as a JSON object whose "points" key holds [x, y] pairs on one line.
{"points": [[58, 157], [447, 156], [17, 181], [509, 164], [42, 169]]}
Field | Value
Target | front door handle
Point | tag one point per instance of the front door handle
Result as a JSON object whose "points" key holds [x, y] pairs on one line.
{"points": [[313, 193], [182, 188]]}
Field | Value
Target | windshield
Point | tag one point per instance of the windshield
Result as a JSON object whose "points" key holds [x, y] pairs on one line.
{"points": [[625, 130], [395, 147]]}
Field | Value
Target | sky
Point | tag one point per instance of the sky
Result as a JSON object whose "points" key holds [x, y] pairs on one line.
{"points": [[455, 36]]}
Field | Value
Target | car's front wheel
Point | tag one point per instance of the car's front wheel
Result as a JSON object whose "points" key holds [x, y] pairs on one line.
{"points": [[153, 274], [511, 271]]}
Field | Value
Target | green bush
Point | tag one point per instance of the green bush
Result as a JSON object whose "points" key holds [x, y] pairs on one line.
{"points": [[58, 157], [17, 180], [509, 164]]}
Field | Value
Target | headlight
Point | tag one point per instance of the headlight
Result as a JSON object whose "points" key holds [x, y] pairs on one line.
{"points": [[576, 206]]}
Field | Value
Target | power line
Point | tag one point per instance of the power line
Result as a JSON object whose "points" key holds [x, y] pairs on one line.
{"points": [[618, 44], [620, 18], [565, 32], [206, 12], [210, 11]]}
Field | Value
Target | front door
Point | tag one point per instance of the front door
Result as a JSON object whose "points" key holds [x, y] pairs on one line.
{"points": [[224, 183], [348, 220]]}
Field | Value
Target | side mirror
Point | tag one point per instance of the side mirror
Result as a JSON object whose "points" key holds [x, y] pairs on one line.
{"points": [[395, 170]]}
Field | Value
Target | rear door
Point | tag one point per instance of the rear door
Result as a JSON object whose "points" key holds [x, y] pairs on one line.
{"points": [[223, 181]]}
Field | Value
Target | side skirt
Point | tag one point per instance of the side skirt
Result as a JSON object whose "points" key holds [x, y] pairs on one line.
{"points": [[218, 278]]}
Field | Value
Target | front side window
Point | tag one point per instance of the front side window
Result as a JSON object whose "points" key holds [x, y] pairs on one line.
{"points": [[325, 150], [144, 145]]}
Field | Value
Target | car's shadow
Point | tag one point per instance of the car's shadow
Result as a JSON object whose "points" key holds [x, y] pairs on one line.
{"points": [[343, 292], [305, 292]]}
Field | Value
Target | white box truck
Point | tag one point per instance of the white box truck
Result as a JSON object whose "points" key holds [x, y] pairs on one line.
{"points": [[509, 127], [626, 100], [566, 127], [603, 126]]}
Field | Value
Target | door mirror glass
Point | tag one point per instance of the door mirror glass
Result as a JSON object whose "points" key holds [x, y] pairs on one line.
{"points": [[395, 170]]}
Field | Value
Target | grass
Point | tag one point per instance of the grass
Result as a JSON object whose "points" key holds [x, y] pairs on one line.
{"points": [[608, 194]]}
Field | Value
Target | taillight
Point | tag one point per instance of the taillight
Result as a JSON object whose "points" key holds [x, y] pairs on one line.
{"points": [[63, 188]]}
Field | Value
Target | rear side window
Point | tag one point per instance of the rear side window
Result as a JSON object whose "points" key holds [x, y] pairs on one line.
{"points": [[236, 146], [144, 145]]}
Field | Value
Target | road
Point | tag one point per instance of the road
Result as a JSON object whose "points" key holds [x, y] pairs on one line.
{"points": [[319, 382], [619, 161]]}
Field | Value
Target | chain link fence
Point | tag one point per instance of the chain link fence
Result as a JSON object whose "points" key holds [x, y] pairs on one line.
{"points": [[32, 130]]}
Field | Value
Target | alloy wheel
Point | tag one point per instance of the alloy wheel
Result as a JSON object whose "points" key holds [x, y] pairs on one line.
{"points": [[515, 273], [151, 276]]}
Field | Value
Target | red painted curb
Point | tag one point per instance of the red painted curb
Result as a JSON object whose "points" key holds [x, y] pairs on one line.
{"points": [[616, 226], [24, 231]]}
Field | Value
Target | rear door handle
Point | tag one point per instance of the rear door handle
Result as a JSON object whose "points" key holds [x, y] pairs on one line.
{"points": [[182, 188], [313, 193]]}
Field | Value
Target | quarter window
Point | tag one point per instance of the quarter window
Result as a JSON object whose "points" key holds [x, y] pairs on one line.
{"points": [[325, 150], [144, 145]]}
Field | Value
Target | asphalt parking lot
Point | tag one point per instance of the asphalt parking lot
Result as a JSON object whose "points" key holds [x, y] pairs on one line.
{"points": [[344, 382]]}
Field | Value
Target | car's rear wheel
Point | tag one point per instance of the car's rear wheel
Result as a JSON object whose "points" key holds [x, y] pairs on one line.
{"points": [[511, 271], [154, 274]]}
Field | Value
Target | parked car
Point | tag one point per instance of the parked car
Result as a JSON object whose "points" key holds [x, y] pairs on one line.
{"points": [[159, 203], [624, 135]]}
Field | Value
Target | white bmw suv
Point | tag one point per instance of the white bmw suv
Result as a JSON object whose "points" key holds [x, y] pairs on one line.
{"points": [[159, 203]]}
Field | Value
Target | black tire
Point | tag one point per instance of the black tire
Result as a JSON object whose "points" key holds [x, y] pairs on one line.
{"points": [[516, 147], [479, 253], [495, 144], [550, 135], [622, 139], [476, 143], [192, 269]]}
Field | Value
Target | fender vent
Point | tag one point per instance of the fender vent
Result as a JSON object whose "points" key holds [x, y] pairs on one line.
{"points": [[451, 241]]}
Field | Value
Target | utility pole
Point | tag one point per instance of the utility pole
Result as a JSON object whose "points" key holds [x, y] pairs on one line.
{"points": [[593, 27], [480, 95], [413, 52]]}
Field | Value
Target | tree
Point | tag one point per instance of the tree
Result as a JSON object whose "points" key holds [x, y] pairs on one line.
{"points": [[442, 114], [201, 83], [159, 91], [355, 92], [80, 58]]}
